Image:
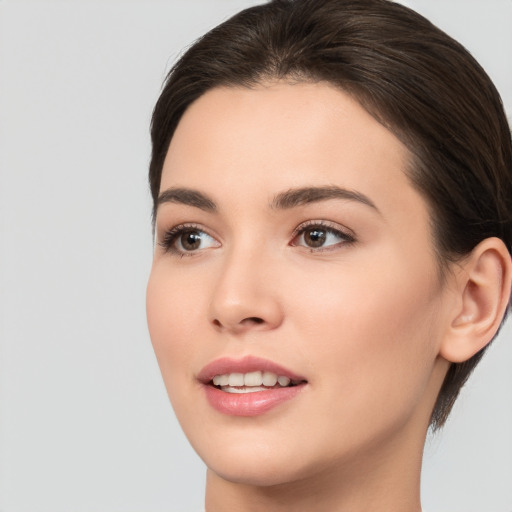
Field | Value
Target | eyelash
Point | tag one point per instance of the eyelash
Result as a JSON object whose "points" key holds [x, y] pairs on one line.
{"points": [[344, 234], [172, 235]]}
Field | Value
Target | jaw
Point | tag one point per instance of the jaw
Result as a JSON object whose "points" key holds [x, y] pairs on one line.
{"points": [[385, 476]]}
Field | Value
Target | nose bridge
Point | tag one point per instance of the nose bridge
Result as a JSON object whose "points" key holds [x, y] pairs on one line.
{"points": [[244, 295]]}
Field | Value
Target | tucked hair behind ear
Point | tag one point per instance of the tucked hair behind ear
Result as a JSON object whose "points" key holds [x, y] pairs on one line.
{"points": [[412, 77]]}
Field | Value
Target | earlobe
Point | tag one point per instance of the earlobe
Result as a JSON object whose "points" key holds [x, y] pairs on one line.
{"points": [[483, 285]]}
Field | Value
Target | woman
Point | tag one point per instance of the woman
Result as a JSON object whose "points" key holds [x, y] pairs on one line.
{"points": [[332, 186]]}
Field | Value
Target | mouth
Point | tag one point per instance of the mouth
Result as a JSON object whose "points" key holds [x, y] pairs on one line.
{"points": [[248, 387], [252, 382]]}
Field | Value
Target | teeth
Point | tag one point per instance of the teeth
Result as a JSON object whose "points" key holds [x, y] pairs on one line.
{"points": [[253, 379], [269, 379], [221, 380], [283, 381], [243, 390], [257, 380], [236, 379]]}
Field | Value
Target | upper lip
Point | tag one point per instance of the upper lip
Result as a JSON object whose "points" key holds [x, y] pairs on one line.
{"points": [[245, 365]]}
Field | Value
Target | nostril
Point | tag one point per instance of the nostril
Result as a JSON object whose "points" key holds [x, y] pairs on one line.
{"points": [[253, 320], [239, 325]]}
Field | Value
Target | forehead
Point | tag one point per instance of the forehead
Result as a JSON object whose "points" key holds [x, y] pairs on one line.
{"points": [[277, 136]]}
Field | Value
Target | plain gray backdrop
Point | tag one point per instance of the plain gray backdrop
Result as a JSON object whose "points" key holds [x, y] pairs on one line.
{"points": [[85, 425]]}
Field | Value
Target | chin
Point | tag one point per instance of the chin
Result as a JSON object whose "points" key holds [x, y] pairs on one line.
{"points": [[254, 476], [265, 460], [259, 472]]}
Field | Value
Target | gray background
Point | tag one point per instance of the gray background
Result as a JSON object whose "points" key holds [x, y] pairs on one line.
{"points": [[84, 420]]}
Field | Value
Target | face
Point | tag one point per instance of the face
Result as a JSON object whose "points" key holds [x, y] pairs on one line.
{"points": [[290, 244]]}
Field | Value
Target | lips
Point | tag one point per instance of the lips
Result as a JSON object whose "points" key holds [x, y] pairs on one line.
{"points": [[248, 386]]}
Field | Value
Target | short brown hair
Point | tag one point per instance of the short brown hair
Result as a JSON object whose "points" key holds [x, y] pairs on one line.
{"points": [[412, 77]]}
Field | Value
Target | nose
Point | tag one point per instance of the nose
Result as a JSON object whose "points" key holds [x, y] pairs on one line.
{"points": [[245, 296]]}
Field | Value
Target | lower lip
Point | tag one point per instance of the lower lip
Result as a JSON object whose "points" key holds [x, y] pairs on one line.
{"points": [[249, 404]]}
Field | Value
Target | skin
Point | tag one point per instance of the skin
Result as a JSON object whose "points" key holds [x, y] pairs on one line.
{"points": [[364, 321]]}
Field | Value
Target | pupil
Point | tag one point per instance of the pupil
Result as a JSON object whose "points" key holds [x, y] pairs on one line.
{"points": [[190, 240], [315, 237]]}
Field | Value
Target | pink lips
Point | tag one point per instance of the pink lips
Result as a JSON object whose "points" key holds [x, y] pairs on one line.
{"points": [[247, 404]]}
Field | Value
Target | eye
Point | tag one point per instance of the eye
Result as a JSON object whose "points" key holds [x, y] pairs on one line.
{"points": [[187, 239], [320, 236]]}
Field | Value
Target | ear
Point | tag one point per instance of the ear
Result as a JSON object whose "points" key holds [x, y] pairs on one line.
{"points": [[483, 285]]}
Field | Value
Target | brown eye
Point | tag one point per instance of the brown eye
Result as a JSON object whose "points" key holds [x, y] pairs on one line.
{"points": [[186, 240], [315, 237], [190, 240], [319, 237]]}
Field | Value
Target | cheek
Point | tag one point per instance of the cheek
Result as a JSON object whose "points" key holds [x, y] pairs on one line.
{"points": [[172, 308], [372, 335]]}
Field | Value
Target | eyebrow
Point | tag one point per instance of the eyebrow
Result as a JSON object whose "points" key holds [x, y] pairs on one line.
{"points": [[305, 195], [283, 201], [187, 197]]}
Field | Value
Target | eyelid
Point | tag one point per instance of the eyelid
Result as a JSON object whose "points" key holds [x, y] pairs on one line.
{"points": [[168, 238], [327, 224], [343, 232]]}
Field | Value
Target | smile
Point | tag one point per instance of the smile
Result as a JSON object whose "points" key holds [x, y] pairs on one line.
{"points": [[251, 382], [248, 387]]}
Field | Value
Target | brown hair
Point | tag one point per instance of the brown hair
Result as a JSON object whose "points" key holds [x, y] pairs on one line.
{"points": [[412, 77]]}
